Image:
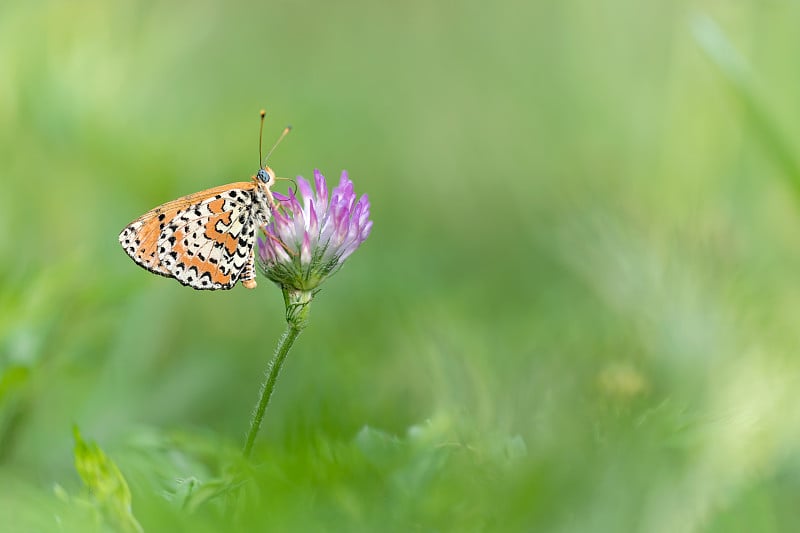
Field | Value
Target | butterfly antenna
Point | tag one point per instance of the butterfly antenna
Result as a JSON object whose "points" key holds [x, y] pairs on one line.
{"points": [[290, 180], [261, 135], [285, 132]]}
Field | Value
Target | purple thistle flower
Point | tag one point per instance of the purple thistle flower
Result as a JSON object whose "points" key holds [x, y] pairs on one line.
{"points": [[307, 241]]}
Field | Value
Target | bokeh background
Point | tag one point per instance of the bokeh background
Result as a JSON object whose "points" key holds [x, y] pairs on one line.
{"points": [[578, 309]]}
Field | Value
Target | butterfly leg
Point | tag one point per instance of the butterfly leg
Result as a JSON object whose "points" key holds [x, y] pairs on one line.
{"points": [[280, 243], [248, 277]]}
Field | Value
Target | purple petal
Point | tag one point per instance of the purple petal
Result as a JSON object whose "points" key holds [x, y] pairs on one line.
{"points": [[343, 194], [325, 232], [280, 254], [294, 204], [362, 207], [278, 220], [313, 223], [284, 230], [352, 230], [355, 215], [366, 231], [305, 250], [342, 227], [308, 198], [263, 253], [305, 190], [322, 192], [299, 218], [340, 219], [269, 255]]}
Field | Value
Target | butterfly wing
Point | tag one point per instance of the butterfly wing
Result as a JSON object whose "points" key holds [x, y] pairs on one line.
{"points": [[207, 245], [204, 240]]}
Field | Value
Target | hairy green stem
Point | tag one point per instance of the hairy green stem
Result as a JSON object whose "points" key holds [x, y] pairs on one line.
{"points": [[298, 303], [274, 368]]}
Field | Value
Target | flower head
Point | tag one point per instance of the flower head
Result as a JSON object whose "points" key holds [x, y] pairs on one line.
{"points": [[309, 238]]}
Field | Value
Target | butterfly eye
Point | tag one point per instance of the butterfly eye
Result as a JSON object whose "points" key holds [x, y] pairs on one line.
{"points": [[263, 175]]}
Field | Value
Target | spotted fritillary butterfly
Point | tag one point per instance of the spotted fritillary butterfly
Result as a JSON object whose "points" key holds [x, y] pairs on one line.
{"points": [[205, 240]]}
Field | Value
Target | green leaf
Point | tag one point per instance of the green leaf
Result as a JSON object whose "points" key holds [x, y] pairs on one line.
{"points": [[733, 67], [106, 483]]}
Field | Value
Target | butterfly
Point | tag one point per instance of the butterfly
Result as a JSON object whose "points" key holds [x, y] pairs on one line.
{"points": [[205, 240]]}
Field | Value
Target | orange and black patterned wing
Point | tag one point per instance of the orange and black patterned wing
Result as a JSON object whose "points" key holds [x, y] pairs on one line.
{"points": [[204, 240]]}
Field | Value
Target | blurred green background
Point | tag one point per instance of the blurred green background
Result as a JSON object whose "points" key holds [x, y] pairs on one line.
{"points": [[578, 309]]}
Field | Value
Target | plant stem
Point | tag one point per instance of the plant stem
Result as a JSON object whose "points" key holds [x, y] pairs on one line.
{"points": [[274, 368]]}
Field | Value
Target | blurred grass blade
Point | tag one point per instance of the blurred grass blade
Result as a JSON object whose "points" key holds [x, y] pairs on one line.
{"points": [[106, 483], [14, 380], [713, 41]]}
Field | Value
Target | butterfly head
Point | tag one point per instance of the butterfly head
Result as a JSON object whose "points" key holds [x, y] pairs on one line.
{"points": [[265, 178]]}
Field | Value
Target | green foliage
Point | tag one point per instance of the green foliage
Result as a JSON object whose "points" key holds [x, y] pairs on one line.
{"points": [[108, 488], [577, 310]]}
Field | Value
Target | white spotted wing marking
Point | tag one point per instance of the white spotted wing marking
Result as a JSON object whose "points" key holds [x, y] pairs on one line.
{"points": [[207, 245], [204, 240]]}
